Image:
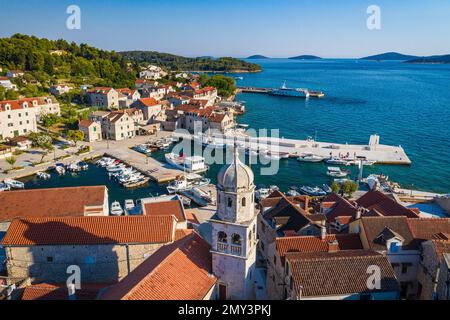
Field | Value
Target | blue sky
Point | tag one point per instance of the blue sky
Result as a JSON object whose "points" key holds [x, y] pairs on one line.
{"points": [[276, 28]]}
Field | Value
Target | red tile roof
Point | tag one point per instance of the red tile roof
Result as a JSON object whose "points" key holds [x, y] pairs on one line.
{"points": [[85, 123], [428, 228], [383, 204], [323, 274], [52, 202], [165, 208], [46, 291], [316, 244], [179, 271], [149, 102], [20, 103], [90, 230]]}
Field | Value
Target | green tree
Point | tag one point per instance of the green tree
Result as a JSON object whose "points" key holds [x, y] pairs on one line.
{"points": [[49, 120], [75, 136], [42, 141], [335, 187], [11, 161], [349, 187]]}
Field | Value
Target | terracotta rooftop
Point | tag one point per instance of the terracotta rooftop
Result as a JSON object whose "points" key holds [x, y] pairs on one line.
{"points": [[165, 208], [52, 202], [90, 230], [149, 102], [29, 102], [385, 205], [316, 244], [179, 271], [428, 228], [323, 274], [46, 291], [85, 123]]}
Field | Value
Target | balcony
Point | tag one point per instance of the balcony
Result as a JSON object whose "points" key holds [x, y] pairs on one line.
{"points": [[229, 249]]}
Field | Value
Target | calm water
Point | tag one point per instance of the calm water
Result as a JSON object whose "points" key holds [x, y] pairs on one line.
{"points": [[407, 105]]}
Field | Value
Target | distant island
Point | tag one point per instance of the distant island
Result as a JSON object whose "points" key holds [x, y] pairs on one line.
{"points": [[258, 56], [431, 59], [305, 57], [179, 63], [390, 56]]}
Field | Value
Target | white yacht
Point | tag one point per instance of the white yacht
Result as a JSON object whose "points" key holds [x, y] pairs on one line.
{"points": [[186, 183], [116, 209], [43, 175], [194, 164], [336, 161], [309, 157], [336, 172], [129, 205], [14, 184]]}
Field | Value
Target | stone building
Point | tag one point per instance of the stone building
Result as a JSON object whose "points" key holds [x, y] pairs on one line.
{"points": [[92, 130], [234, 232], [43, 248], [103, 97]]}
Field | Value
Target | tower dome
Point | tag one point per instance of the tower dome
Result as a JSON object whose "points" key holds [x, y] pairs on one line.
{"points": [[236, 176]]}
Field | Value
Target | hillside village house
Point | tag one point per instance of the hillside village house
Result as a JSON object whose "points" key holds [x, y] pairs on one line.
{"points": [[149, 106], [103, 97], [208, 94], [117, 126], [92, 130], [19, 117], [127, 97], [43, 248], [152, 73], [7, 84], [143, 84], [59, 89]]}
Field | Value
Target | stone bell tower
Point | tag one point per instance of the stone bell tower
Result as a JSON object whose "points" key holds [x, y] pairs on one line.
{"points": [[234, 231]]}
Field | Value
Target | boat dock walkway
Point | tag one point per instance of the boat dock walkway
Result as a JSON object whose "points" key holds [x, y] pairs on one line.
{"points": [[252, 90], [382, 154]]}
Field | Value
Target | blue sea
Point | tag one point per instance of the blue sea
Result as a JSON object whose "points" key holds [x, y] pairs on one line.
{"points": [[406, 104]]}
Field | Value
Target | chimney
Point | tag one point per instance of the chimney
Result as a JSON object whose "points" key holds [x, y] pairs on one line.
{"points": [[323, 231], [359, 212], [71, 291], [333, 246]]}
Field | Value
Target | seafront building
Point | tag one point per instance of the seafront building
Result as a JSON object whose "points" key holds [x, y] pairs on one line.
{"points": [[20, 117]]}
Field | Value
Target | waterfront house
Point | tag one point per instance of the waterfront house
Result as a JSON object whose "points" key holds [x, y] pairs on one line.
{"points": [[106, 249], [178, 271], [201, 119], [118, 125], [275, 279], [103, 97], [208, 94], [399, 238], [92, 130], [19, 117], [7, 84], [341, 275], [149, 106]]}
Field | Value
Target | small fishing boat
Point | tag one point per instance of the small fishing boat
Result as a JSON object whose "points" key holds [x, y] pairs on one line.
{"points": [[83, 165], [73, 167], [310, 158], [315, 192], [136, 183], [336, 172], [183, 184], [4, 187], [326, 188], [43, 175], [116, 209], [60, 170], [14, 184], [129, 205], [336, 161]]}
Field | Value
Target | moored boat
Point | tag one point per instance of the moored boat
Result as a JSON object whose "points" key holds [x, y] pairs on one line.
{"points": [[194, 164], [14, 184], [336, 172], [309, 157], [116, 209]]}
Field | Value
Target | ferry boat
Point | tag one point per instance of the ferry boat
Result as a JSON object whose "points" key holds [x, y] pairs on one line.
{"points": [[194, 164], [290, 92]]}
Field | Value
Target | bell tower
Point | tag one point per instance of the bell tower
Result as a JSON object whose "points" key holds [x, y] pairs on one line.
{"points": [[234, 231]]}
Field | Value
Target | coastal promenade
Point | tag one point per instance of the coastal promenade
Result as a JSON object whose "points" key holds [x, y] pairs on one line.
{"points": [[382, 154]]}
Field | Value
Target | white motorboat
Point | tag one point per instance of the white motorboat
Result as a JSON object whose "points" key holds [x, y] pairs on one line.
{"points": [[14, 184], [116, 209], [83, 165], [271, 155], [184, 183], [60, 170], [129, 205], [115, 168], [336, 161], [4, 187], [326, 188], [315, 192], [43, 175], [336, 172], [310, 158], [372, 181], [210, 142], [73, 167], [262, 193], [194, 164]]}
